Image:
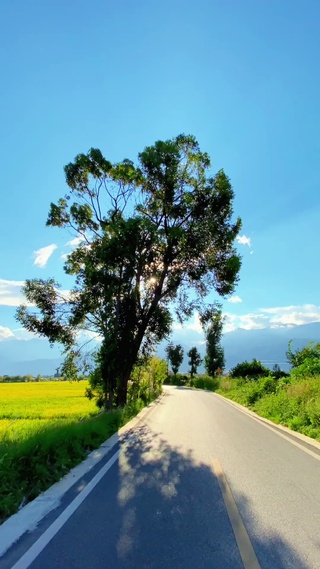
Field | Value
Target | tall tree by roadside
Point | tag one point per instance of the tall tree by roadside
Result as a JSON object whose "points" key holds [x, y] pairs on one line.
{"points": [[194, 360], [175, 356], [147, 236], [214, 359]]}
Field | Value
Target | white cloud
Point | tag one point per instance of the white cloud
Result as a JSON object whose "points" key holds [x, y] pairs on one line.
{"points": [[235, 299], [249, 321], [244, 240], [42, 255], [195, 325], [10, 292], [276, 317], [76, 241], [293, 315], [23, 334], [5, 333]]}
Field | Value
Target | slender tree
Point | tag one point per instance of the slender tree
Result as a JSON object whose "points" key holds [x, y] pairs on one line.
{"points": [[214, 359], [194, 360], [175, 356], [148, 235]]}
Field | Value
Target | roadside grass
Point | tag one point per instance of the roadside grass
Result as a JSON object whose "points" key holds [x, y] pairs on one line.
{"points": [[45, 432], [294, 403]]}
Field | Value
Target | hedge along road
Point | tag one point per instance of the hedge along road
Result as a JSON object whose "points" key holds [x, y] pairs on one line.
{"points": [[199, 483]]}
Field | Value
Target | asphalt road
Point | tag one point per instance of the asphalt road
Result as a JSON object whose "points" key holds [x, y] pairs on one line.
{"points": [[172, 494]]}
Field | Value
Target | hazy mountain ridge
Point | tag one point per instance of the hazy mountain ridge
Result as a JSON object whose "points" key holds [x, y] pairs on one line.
{"points": [[267, 344], [22, 357]]}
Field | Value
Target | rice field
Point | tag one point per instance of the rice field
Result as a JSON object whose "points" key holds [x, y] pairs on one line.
{"points": [[45, 429], [27, 408]]}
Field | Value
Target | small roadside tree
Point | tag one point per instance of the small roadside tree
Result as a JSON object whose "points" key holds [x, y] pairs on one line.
{"points": [[214, 359], [251, 370], [194, 360], [147, 236], [175, 356], [296, 358]]}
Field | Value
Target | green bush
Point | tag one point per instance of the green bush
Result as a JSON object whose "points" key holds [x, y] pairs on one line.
{"points": [[290, 401], [179, 379], [251, 370], [309, 352], [204, 382], [309, 367], [146, 380]]}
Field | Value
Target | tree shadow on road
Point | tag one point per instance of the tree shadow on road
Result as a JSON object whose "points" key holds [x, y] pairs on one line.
{"points": [[159, 508]]}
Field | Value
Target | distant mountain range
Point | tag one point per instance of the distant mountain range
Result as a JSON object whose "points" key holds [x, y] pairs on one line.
{"points": [[23, 357], [269, 345], [28, 357]]}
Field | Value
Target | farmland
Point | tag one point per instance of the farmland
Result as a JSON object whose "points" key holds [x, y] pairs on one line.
{"points": [[46, 428]]}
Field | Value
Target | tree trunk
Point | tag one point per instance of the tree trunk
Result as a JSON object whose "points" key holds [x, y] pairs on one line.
{"points": [[123, 390], [108, 400]]}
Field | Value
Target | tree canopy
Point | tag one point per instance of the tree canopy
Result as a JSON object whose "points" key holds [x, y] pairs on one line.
{"points": [[154, 239]]}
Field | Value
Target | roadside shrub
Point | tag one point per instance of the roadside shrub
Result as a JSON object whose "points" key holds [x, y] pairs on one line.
{"points": [[146, 380], [278, 373], [309, 367], [310, 352], [225, 383], [204, 382], [179, 379], [251, 370], [245, 391]]}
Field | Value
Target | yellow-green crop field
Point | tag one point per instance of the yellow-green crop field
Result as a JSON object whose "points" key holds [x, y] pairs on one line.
{"points": [[46, 428], [26, 408]]}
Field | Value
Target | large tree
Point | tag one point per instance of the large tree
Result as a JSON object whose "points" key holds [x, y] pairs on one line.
{"points": [[214, 358], [149, 234]]}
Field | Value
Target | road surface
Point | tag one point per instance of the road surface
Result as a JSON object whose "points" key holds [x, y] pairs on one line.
{"points": [[198, 484]]}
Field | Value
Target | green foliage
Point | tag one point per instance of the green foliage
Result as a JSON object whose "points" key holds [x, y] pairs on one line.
{"points": [[147, 379], [175, 356], [278, 373], [247, 392], [194, 360], [214, 359], [153, 236], [251, 370], [309, 367], [298, 357], [204, 382], [180, 379], [291, 401]]}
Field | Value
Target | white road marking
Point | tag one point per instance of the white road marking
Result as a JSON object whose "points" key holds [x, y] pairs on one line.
{"points": [[274, 429], [35, 550]]}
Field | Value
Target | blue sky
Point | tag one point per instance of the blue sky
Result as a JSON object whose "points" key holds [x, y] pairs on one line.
{"points": [[242, 76]]}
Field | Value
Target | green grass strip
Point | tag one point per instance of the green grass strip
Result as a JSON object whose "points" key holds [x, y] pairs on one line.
{"points": [[32, 464]]}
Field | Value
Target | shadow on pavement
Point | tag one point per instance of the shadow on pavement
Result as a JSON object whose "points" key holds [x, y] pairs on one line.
{"points": [[157, 508]]}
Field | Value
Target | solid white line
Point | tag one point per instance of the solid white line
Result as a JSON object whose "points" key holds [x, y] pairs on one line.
{"points": [[35, 550], [274, 429]]}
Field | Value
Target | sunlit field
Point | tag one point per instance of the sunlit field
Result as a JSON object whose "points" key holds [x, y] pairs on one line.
{"points": [[44, 400], [45, 429]]}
